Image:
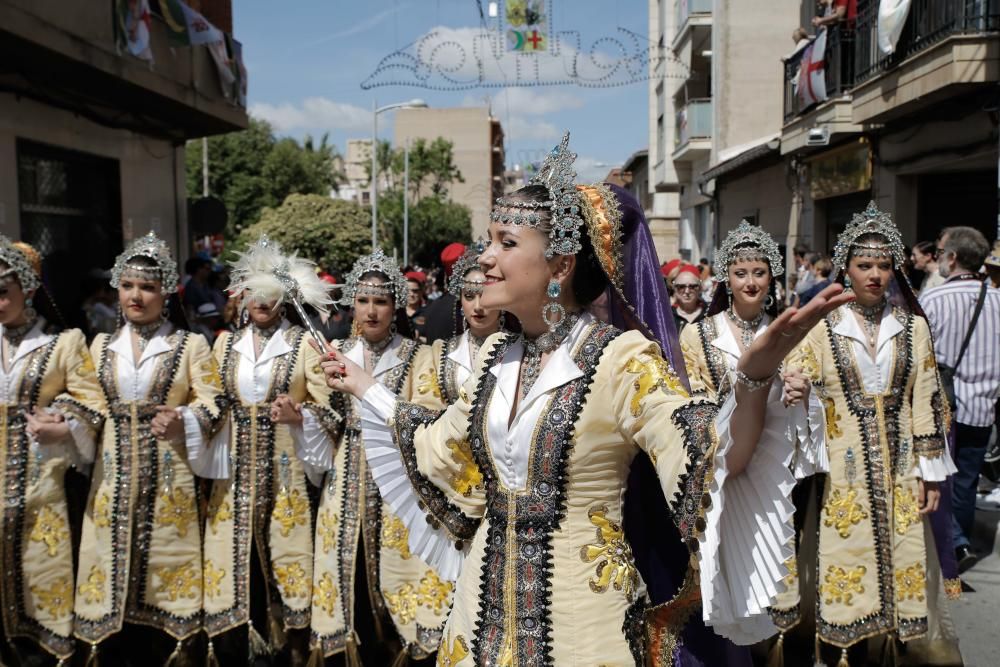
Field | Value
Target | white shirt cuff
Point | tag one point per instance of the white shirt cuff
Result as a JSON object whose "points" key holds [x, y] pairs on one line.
{"points": [[935, 468], [313, 447], [211, 461], [807, 428]]}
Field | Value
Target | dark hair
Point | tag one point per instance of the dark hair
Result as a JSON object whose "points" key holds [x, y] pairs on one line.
{"points": [[969, 245], [589, 280], [800, 249], [925, 248], [192, 264]]}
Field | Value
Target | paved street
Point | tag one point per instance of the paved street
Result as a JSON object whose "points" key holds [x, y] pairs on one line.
{"points": [[977, 614]]}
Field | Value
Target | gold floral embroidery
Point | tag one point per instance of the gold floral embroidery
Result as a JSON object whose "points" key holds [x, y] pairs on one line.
{"points": [[653, 374], [86, 366], [213, 579], [840, 585], [49, 528], [217, 513], [102, 510], [805, 358], [177, 509], [468, 477], [451, 653], [428, 383], [930, 360], [325, 594], [833, 429], [92, 590], [792, 563], [210, 374], [905, 509], [394, 534], [911, 583], [612, 553], [180, 581], [433, 593], [402, 603], [292, 580], [842, 512], [328, 530], [290, 509], [953, 588], [57, 599]]}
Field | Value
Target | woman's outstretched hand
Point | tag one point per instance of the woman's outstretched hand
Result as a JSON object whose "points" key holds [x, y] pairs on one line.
{"points": [[342, 374]]}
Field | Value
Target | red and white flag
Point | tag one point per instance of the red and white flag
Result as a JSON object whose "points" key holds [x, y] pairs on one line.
{"points": [[812, 72]]}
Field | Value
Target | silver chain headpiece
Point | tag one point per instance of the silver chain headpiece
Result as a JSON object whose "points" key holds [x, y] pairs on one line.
{"points": [[18, 263], [870, 221], [394, 287], [154, 248], [467, 262], [746, 243], [557, 176]]}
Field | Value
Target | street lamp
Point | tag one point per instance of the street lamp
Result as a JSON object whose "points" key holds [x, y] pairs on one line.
{"points": [[376, 110]]}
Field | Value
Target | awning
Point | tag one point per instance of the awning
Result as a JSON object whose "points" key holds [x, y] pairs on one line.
{"points": [[737, 156]]}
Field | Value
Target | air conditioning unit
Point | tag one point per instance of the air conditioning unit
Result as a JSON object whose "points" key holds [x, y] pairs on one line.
{"points": [[818, 136]]}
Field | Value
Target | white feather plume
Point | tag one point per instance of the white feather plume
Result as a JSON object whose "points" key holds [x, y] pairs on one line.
{"points": [[255, 273]]}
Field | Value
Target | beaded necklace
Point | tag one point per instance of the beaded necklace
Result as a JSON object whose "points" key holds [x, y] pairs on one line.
{"points": [[377, 349], [534, 348], [871, 316], [747, 327]]}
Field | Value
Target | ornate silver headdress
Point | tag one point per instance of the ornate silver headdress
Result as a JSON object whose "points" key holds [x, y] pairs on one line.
{"points": [[18, 264], [870, 221], [747, 243], [467, 262], [265, 272], [394, 287], [154, 248], [557, 175]]}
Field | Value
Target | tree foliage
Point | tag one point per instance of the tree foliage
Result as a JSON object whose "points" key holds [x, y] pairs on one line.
{"points": [[331, 232], [432, 167], [434, 223]]}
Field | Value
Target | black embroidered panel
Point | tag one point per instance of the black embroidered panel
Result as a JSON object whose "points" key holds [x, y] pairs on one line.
{"points": [[447, 371], [696, 420], [714, 357], [514, 599]]}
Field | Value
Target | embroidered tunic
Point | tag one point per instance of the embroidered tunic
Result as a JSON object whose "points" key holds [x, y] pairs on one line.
{"points": [[354, 522], [141, 546], [880, 425], [261, 496], [54, 372], [453, 365], [529, 510]]}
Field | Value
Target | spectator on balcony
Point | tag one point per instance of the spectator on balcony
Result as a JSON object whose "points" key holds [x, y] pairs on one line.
{"points": [[924, 259], [802, 39], [836, 11]]}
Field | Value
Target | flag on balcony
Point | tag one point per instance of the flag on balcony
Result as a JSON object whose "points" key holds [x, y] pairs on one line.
{"points": [[186, 27], [132, 28], [228, 57], [891, 17], [812, 72]]}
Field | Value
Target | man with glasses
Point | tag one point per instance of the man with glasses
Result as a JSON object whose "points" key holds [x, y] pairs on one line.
{"points": [[688, 307]]}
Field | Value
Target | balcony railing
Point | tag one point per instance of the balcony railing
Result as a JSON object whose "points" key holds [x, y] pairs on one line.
{"points": [[928, 22], [684, 8], [693, 121], [838, 71]]}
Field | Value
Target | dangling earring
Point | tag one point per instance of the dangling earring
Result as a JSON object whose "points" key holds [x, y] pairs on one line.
{"points": [[503, 321], [553, 308], [355, 329], [282, 312], [29, 312], [768, 302], [392, 329], [847, 282], [729, 291]]}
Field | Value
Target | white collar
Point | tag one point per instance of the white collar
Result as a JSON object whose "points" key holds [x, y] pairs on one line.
{"points": [[850, 328], [122, 343], [389, 359], [461, 355], [726, 341], [275, 347], [34, 339]]}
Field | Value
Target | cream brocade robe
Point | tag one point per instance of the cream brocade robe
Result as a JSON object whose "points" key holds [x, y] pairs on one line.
{"points": [[37, 560], [873, 560], [265, 498], [353, 521], [141, 546]]}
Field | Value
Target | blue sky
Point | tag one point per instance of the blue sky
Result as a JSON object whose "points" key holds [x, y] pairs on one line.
{"points": [[307, 59]]}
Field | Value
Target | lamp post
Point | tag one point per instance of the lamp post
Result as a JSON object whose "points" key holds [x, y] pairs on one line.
{"points": [[376, 110]]}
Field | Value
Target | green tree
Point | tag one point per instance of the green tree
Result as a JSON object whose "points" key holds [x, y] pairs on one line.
{"points": [[332, 232], [434, 223]]}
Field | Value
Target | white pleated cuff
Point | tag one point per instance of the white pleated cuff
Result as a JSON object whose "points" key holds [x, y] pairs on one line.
{"points": [[749, 531], [433, 545], [313, 447], [807, 428], [83, 447], [935, 468], [211, 461]]}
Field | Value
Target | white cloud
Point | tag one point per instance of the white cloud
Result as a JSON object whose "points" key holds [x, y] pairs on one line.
{"points": [[519, 128], [591, 170], [360, 27], [314, 113], [528, 101]]}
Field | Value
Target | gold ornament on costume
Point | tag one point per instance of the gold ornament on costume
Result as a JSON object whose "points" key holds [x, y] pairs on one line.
{"points": [[832, 419], [49, 528], [468, 477], [328, 530], [395, 535], [403, 603], [805, 359], [86, 366], [218, 512], [843, 511], [92, 590], [180, 581], [290, 509], [452, 652], [102, 510], [210, 374], [792, 564], [213, 579], [904, 509], [57, 599], [911, 583], [292, 580], [177, 508], [325, 594], [428, 383], [612, 553], [653, 374], [840, 585], [433, 593]]}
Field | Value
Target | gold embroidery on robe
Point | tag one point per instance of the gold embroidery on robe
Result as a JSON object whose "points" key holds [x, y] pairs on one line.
{"points": [[325, 594], [612, 553], [402, 603], [792, 563], [57, 599], [842, 512], [102, 510], [832, 419], [218, 512], [395, 535], [469, 477], [653, 374], [451, 653], [433, 593], [213, 579], [86, 366], [210, 374], [290, 509], [428, 383], [292, 580], [911, 583], [805, 359], [840, 585], [92, 590], [328, 530], [180, 581], [905, 509], [49, 528], [177, 509]]}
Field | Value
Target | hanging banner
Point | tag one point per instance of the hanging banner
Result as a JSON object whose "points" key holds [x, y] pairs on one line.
{"points": [[891, 18], [812, 72], [228, 58], [132, 24], [528, 25], [186, 27]]}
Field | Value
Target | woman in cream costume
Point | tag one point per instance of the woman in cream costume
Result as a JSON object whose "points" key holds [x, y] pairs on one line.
{"points": [[139, 582], [550, 423], [280, 430], [366, 580], [51, 412], [877, 422]]}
